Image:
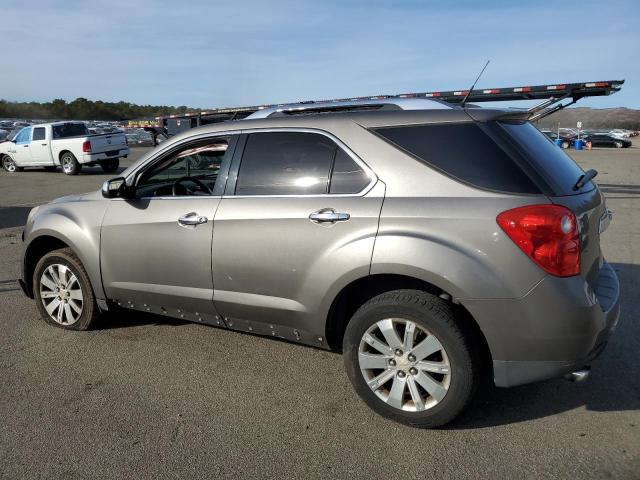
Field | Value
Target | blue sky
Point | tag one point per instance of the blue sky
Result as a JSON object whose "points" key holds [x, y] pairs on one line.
{"points": [[205, 54]]}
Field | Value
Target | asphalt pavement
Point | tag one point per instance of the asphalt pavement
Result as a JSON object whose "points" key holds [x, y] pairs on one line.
{"points": [[148, 397]]}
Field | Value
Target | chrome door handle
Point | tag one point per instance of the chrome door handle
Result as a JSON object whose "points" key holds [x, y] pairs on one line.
{"points": [[327, 215], [192, 218]]}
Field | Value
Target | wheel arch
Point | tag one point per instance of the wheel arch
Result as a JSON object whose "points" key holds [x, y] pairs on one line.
{"points": [[359, 291], [37, 249], [62, 152]]}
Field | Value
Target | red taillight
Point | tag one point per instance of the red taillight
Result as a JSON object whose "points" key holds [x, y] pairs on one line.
{"points": [[86, 147], [548, 234]]}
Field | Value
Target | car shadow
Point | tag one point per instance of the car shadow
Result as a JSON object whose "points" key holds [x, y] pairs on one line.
{"points": [[123, 318], [614, 383], [13, 216]]}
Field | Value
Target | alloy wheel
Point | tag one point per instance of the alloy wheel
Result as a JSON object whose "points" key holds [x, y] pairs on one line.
{"points": [[67, 164], [8, 164], [405, 365], [61, 294]]}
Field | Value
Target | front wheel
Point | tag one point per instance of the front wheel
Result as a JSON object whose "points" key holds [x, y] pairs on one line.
{"points": [[109, 166], [70, 165], [63, 292], [9, 165], [619, 145], [565, 145], [409, 360]]}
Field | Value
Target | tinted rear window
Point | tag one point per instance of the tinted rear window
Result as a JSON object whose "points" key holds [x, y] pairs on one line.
{"points": [[464, 151], [557, 168], [69, 130]]}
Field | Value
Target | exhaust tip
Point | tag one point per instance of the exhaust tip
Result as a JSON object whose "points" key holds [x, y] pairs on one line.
{"points": [[579, 375]]}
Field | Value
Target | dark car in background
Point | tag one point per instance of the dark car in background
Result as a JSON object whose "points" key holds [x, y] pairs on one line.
{"points": [[606, 140]]}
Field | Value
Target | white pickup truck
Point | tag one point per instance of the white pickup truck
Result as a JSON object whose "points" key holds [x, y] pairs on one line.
{"points": [[65, 144]]}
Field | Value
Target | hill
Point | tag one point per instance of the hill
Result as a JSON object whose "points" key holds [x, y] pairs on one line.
{"points": [[594, 118]]}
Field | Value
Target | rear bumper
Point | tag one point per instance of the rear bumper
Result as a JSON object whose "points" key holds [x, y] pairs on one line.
{"points": [[562, 325], [96, 157]]}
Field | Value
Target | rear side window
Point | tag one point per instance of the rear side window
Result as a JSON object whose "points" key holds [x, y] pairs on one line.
{"points": [[558, 170], [69, 130], [38, 133], [463, 151], [347, 176], [285, 163]]}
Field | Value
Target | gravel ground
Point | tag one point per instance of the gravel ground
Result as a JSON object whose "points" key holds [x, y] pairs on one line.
{"points": [[155, 398]]}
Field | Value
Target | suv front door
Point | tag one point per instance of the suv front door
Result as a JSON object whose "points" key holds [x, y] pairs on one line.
{"points": [[298, 220], [156, 247]]}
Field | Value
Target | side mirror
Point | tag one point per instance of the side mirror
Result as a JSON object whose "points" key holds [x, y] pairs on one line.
{"points": [[115, 187]]}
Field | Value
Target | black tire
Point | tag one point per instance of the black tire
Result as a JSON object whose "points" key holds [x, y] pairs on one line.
{"points": [[90, 311], [109, 166], [565, 145], [9, 165], [69, 163], [619, 144], [434, 315]]}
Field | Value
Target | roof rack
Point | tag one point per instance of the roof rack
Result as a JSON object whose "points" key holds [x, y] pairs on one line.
{"points": [[551, 94]]}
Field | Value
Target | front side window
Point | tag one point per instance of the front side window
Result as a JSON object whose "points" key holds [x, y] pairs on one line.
{"points": [[191, 170], [23, 135], [38, 133], [285, 163]]}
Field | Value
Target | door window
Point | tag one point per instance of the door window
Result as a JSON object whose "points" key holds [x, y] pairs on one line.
{"points": [[201, 161], [23, 135], [285, 163], [347, 176], [38, 133]]}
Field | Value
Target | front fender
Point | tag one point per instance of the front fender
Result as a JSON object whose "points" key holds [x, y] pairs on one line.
{"points": [[77, 227]]}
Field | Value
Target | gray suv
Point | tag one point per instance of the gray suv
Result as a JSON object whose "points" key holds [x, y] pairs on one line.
{"points": [[432, 247]]}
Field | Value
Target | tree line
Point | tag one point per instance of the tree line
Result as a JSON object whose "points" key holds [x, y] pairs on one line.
{"points": [[83, 109]]}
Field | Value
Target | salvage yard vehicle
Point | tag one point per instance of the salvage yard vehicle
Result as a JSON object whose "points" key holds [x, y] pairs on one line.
{"points": [[363, 226], [607, 140], [66, 144]]}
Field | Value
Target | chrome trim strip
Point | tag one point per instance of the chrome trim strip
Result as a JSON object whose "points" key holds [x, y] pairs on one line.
{"points": [[370, 173]]}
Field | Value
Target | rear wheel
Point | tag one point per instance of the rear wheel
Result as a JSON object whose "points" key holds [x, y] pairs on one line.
{"points": [[110, 165], [9, 165], [70, 165], [409, 360], [63, 292], [565, 145]]}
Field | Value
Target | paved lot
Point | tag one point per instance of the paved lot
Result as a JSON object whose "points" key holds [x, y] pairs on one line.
{"points": [[154, 398]]}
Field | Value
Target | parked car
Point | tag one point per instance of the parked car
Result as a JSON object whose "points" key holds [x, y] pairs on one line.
{"points": [[607, 140], [68, 144], [3, 135], [620, 133], [427, 261]]}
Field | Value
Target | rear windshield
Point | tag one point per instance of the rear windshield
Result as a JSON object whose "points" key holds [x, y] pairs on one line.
{"points": [[556, 168], [464, 151], [69, 130]]}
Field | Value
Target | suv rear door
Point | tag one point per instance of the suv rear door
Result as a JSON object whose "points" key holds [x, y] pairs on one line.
{"points": [[298, 220]]}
